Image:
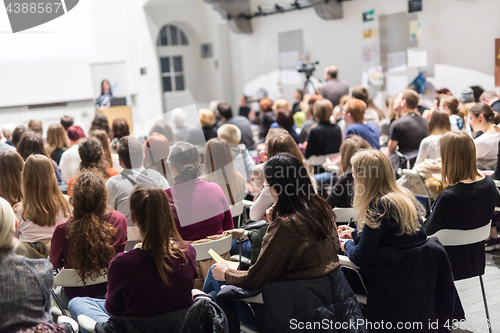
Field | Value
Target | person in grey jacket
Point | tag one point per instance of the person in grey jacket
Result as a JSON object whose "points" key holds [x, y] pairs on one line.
{"points": [[119, 187], [26, 283]]}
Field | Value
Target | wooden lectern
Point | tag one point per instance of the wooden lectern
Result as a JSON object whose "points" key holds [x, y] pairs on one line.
{"points": [[116, 112]]}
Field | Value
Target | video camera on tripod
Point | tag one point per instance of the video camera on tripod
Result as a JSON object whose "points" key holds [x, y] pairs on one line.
{"points": [[308, 69]]}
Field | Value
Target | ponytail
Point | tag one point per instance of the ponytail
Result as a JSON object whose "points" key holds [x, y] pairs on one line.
{"points": [[150, 208]]}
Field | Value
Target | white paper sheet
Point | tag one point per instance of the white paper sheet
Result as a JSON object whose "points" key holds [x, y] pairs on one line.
{"points": [[396, 61], [396, 83], [417, 58]]}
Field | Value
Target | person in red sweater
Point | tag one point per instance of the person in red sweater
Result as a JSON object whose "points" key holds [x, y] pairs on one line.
{"points": [[200, 208], [152, 279], [91, 238]]}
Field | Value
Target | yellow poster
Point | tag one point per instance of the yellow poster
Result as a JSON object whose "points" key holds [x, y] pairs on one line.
{"points": [[370, 33], [415, 30]]}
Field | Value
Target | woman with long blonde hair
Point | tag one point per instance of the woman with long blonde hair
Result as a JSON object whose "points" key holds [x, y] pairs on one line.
{"points": [[42, 208], [388, 215], [11, 168], [57, 142], [219, 168], [153, 279]]}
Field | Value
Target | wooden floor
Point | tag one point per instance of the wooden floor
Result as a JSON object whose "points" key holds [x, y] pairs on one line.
{"points": [[472, 299]]}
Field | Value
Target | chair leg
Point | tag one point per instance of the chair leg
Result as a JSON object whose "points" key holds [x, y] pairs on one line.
{"points": [[485, 303]]}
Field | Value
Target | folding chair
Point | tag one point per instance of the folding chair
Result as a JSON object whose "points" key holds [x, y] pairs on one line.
{"points": [[345, 215], [220, 246], [417, 190], [68, 277], [454, 237]]}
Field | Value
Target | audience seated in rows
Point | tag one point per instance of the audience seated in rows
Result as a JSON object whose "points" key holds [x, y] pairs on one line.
{"points": [[207, 122], [407, 132], [11, 169], [164, 129], [342, 193], [119, 129], [200, 208], [111, 160], [220, 169], [372, 113], [389, 230], [32, 143], [42, 208], [91, 237], [357, 125], [325, 138], [57, 142], [266, 117], [468, 202], [243, 161], [277, 142], [131, 155], [156, 150], [70, 159], [7, 131], [153, 279], [481, 120], [26, 283], [226, 114], [92, 157]]}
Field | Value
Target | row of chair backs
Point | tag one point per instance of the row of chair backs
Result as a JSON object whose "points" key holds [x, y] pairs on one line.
{"points": [[345, 215], [320, 160], [69, 278]]}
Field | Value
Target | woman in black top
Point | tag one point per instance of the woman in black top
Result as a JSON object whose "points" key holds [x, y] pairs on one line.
{"points": [[467, 204], [342, 193], [326, 137]]}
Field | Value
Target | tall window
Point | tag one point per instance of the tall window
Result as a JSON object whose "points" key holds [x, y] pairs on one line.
{"points": [[170, 35], [172, 68], [172, 72]]}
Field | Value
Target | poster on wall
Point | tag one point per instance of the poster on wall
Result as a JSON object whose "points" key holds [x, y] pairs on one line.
{"points": [[414, 6], [369, 15], [371, 53], [497, 62], [369, 33], [415, 30]]}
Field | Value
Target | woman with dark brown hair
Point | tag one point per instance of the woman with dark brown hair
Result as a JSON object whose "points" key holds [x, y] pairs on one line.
{"points": [[153, 279], [111, 159], [91, 238], [119, 130], [284, 118], [219, 168], [57, 142], [42, 208], [100, 122], [11, 168], [91, 155], [281, 142], [32, 143]]}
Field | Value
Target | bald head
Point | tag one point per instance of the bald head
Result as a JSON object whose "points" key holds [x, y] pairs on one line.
{"points": [[330, 72]]}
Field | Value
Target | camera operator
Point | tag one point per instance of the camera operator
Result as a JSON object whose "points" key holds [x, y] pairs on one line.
{"points": [[333, 89]]}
